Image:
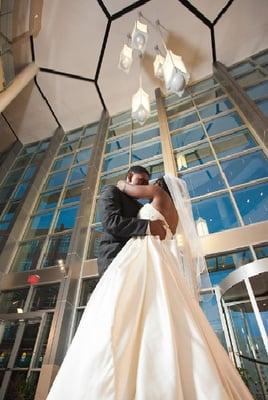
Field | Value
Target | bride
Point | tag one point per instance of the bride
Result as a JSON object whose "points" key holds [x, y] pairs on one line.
{"points": [[143, 335]]}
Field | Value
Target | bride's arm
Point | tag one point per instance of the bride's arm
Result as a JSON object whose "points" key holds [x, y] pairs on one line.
{"points": [[139, 191]]}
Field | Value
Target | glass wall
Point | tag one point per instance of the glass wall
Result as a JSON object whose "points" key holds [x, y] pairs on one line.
{"points": [[47, 236], [16, 183], [252, 76]]}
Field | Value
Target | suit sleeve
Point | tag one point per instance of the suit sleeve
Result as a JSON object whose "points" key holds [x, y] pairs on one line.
{"points": [[113, 221]]}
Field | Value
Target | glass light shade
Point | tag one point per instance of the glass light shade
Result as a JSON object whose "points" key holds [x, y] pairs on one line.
{"points": [[140, 106], [139, 36], [158, 66], [175, 74], [202, 227], [181, 161], [125, 59]]}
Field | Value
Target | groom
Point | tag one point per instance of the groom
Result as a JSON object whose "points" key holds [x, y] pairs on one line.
{"points": [[119, 218]]}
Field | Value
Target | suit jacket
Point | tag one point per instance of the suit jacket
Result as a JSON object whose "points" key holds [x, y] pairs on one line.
{"points": [[119, 220]]}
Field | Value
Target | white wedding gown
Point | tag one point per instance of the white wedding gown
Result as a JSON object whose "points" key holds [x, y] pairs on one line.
{"points": [[144, 337]]}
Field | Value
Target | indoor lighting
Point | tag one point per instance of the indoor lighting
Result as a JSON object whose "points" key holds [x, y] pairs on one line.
{"points": [[139, 36], [201, 227], [175, 74], [20, 310], [140, 106], [181, 161], [125, 59]]}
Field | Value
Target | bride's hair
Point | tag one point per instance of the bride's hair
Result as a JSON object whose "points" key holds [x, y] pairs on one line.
{"points": [[161, 182]]}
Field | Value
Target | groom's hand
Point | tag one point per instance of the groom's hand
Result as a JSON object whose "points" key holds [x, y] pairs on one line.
{"points": [[157, 228]]}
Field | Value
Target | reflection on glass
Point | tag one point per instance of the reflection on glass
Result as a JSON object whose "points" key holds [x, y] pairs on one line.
{"points": [[68, 148], [27, 255], [203, 181], [29, 172], [88, 286], [72, 194], [57, 250], [188, 136], [78, 317], [39, 357], [184, 106], [203, 85], [7, 339], [233, 143], [215, 108], [182, 121], [39, 225], [118, 144], [250, 78], [242, 68], [5, 193], [217, 211], [141, 153], [21, 162], [253, 203], [48, 200], [208, 95], [210, 309], [260, 90], [66, 218], [8, 216], [27, 344], [78, 173], [95, 237], [146, 135], [155, 170], [112, 179], [263, 106], [195, 156], [245, 168], [20, 191], [56, 179], [70, 137], [120, 130], [62, 163], [86, 141], [91, 130], [115, 161], [82, 155], [45, 297], [10, 300], [13, 177], [261, 251], [221, 124]]}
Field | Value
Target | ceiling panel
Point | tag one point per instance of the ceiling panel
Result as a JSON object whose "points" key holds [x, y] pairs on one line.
{"points": [[71, 36], [74, 102], [29, 115], [113, 6], [245, 27], [209, 8], [117, 87]]}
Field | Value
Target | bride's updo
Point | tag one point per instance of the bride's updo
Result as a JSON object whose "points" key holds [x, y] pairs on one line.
{"points": [[161, 182]]}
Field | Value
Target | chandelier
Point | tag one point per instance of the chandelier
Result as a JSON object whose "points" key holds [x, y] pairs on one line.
{"points": [[168, 66]]}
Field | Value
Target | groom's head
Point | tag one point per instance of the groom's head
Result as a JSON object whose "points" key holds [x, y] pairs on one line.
{"points": [[138, 175]]}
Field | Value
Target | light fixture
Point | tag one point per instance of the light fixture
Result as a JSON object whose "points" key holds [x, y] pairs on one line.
{"points": [[125, 59], [202, 227], [61, 265], [175, 74], [20, 310], [140, 106], [158, 64], [139, 36], [181, 161]]}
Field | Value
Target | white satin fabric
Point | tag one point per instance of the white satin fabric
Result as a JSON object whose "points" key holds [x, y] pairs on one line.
{"points": [[144, 337]]}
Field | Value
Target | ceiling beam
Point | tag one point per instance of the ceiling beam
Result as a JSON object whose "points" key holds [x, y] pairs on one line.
{"points": [[66, 74], [129, 8]]}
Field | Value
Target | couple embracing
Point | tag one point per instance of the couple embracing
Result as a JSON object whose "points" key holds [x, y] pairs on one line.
{"points": [[143, 335]]}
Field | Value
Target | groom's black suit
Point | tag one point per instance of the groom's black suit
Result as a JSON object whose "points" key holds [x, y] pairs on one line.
{"points": [[119, 220]]}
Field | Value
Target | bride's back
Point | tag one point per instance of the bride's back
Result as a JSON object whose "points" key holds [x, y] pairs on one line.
{"points": [[164, 204]]}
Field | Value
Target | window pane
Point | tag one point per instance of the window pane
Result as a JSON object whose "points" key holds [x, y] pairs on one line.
{"points": [[120, 130], [72, 194], [253, 203], [48, 200], [241, 68], [217, 211], [5, 193], [29, 172], [68, 148], [13, 177], [218, 276], [115, 161], [39, 225], [233, 143], [30, 149], [12, 299], [45, 297], [204, 181], [95, 237], [203, 85], [42, 345], [28, 255], [142, 153], [261, 59], [88, 286], [21, 162], [188, 136], [245, 168], [215, 108], [8, 216], [78, 173], [56, 179], [20, 191], [111, 179], [222, 124], [261, 251], [63, 162], [184, 106], [182, 121], [70, 137], [82, 155], [250, 78], [155, 170], [87, 141], [27, 344], [195, 156], [117, 144], [44, 145], [66, 218], [142, 136], [209, 95], [91, 130], [8, 336], [260, 90], [57, 250], [263, 106]]}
